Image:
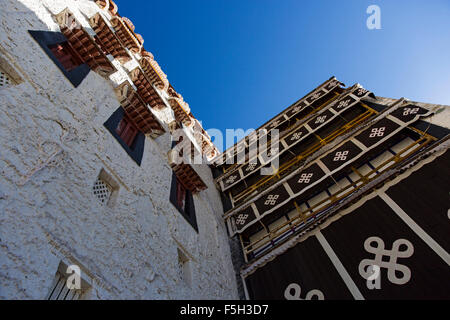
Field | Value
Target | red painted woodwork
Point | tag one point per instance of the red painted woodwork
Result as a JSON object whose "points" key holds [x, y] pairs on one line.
{"points": [[127, 131], [66, 55], [181, 196]]}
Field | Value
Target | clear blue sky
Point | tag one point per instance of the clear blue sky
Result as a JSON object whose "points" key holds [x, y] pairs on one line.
{"points": [[238, 63]]}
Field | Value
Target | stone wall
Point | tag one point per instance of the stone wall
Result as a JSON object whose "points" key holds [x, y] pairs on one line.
{"points": [[53, 146]]}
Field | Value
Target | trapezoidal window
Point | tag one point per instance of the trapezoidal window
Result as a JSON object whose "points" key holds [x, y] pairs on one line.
{"points": [[56, 47], [127, 131], [127, 135], [183, 200], [66, 55]]}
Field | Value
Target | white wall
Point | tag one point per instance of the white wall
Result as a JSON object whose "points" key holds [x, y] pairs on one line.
{"points": [[47, 210]]}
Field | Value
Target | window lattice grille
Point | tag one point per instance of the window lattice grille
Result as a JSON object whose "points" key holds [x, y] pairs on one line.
{"points": [[4, 79], [102, 190]]}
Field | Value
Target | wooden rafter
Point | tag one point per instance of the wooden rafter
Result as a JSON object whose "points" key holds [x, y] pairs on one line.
{"points": [[107, 39], [125, 32], [137, 110], [153, 71], [180, 108], [107, 5], [84, 44], [146, 90], [186, 174]]}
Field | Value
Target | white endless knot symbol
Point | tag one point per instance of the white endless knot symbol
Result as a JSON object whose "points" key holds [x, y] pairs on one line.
{"points": [[377, 132], [275, 123], [298, 290], [251, 167], [321, 119], [305, 178], [408, 111], [392, 266], [296, 136], [332, 83], [231, 179], [241, 219], [297, 109], [340, 156], [316, 95], [361, 91], [271, 200], [343, 104]]}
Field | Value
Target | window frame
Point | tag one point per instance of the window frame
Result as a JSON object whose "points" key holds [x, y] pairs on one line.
{"points": [[188, 212], [48, 38], [136, 151], [68, 55]]}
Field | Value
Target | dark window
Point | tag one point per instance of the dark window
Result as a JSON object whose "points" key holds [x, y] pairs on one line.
{"points": [[127, 131], [129, 137], [66, 55], [183, 200], [62, 54], [181, 197]]}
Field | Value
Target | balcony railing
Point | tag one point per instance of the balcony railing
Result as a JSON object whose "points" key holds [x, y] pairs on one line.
{"points": [[284, 168], [300, 221]]}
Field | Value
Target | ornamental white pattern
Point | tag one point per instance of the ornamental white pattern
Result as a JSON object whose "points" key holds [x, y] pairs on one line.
{"points": [[297, 293], [271, 200], [305, 178], [297, 109], [251, 167], [410, 111], [332, 84], [320, 119], [231, 179], [377, 132], [272, 152], [241, 219], [316, 95], [340, 156], [343, 104], [361, 91], [275, 123], [296, 136], [394, 269]]}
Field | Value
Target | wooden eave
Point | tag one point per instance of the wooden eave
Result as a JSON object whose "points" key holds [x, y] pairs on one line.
{"points": [[107, 39], [84, 44], [146, 90], [186, 174], [137, 110], [180, 113], [126, 35], [153, 71]]}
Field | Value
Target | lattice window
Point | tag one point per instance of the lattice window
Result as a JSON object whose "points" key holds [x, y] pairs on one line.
{"points": [[106, 189], [4, 79], [102, 190]]}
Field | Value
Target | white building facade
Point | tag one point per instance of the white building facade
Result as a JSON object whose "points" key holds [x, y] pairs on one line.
{"points": [[81, 186]]}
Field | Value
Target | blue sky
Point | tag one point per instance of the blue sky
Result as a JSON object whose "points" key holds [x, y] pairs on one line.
{"points": [[238, 63]]}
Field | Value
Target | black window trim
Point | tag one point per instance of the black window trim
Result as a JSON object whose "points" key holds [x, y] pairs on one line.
{"points": [[136, 151], [48, 38]]}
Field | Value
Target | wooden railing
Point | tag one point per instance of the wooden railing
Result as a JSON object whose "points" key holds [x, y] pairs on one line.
{"points": [[292, 162], [288, 129]]}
